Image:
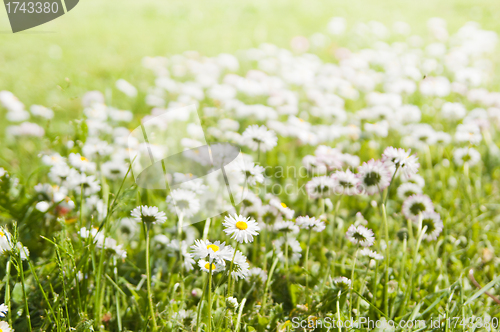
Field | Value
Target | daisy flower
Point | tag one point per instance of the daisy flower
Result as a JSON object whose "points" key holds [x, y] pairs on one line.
{"points": [[148, 214], [342, 282], [5, 327], [415, 204], [269, 214], [320, 187], [81, 163], [182, 315], [215, 251], [53, 159], [42, 206], [469, 132], [184, 201], [187, 261], [89, 183], [434, 225], [313, 165], [240, 266], [453, 111], [360, 235], [250, 200], [331, 157], [408, 189], [232, 303], [374, 176], [281, 208], [466, 155], [294, 248], [307, 222], [128, 227], [92, 232], [252, 172], [360, 219], [114, 170], [286, 227], [256, 137], [62, 172], [240, 228], [346, 183], [205, 266], [3, 310], [415, 178], [258, 274], [371, 253], [5, 242], [23, 251], [196, 185], [401, 160]]}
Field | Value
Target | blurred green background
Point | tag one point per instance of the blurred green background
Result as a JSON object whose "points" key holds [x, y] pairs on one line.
{"points": [[100, 41]]}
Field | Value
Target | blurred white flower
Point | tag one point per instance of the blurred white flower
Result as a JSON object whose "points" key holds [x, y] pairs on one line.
{"points": [[42, 111], [183, 201], [466, 155], [126, 88], [148, 214], [259, 138], [360, 235], [337, 26], [416, 204], [42, 206]]}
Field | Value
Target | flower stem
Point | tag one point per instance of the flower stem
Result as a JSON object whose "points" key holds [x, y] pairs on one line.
{"points": [[7, 291], [37, 280], [200, 305], [268, 281], [387, 257], [414, 263], [209, 324], [230, 277], [335, 213], [352, 283], [117, 297], [181, 256], [148, 274], [21, 272], [240, 312], [286, 255], [339, 319], [308, 297]]}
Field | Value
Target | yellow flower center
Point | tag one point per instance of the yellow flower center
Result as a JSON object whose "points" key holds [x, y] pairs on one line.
{"points": [[213, 247], [283, 205], [2, 234], [83, 158], [207, 266], [241, 225]]}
